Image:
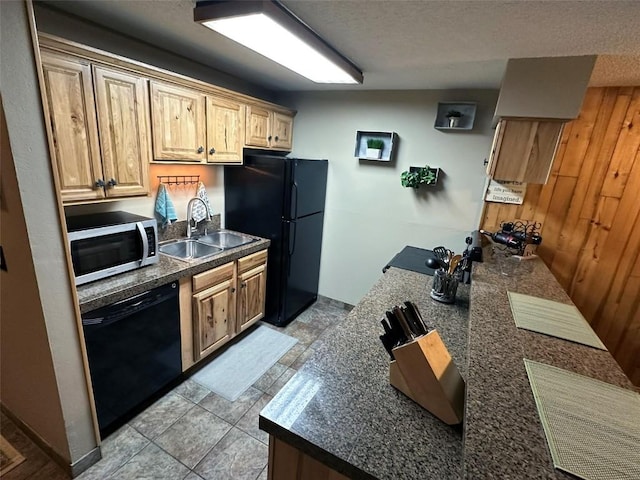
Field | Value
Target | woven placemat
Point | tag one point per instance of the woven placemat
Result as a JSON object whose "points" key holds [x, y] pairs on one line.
{"points": [[552, 318], [592, 427]]}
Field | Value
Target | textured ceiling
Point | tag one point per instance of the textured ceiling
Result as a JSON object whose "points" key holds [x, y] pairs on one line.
{"points": [[403, 44]]}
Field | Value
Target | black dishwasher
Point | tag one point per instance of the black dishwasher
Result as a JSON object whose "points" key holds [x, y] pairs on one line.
{"points": [[133, 348]]}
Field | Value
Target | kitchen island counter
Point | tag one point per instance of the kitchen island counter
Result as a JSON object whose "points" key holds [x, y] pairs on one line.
{"points": [[340, 409]]}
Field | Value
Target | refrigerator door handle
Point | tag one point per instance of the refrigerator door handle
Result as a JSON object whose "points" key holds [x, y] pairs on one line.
{"points": [[292, 248], [295, 212]]}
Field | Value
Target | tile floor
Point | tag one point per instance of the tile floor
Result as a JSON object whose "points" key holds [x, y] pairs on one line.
{"points": [[192, 433]]}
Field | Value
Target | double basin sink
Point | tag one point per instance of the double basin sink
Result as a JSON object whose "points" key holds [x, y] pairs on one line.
{"points": [[203, 246]]}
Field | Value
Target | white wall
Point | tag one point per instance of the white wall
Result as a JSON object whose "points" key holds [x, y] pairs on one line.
{"points": [[369, 216], [29, 390]]}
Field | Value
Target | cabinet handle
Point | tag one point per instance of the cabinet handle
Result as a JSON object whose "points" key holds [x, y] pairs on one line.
{"points": [[112, 183], [486, 162], [201, 149], [99, 183], [212, 151]]}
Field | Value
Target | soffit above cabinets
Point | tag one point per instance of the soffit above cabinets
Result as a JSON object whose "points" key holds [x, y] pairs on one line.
{"points": [[544, 87]]}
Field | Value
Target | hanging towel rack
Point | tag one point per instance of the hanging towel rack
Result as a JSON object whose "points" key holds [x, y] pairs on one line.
{"points": [[179, 179]]}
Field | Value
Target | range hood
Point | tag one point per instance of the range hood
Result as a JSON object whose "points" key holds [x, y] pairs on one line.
{"points": [[549, 88]]}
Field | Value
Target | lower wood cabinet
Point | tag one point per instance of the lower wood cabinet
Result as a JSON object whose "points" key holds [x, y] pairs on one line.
{"points": [[252, 284], [213, 309], [217, 304]]}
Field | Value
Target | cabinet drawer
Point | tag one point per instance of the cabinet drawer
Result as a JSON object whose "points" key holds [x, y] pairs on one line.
{"points": [[212, 277], [252, 261]]}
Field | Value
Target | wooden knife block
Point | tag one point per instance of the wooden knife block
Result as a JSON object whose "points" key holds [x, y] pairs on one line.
{"points": [[424, 371]]}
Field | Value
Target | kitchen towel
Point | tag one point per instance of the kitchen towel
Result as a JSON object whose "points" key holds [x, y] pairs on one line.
{"points": [[591, 427], [164, 206], [199, 212], [552, 318]]}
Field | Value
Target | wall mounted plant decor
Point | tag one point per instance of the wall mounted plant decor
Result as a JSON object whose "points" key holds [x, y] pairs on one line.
{"points": [[417, 176]]}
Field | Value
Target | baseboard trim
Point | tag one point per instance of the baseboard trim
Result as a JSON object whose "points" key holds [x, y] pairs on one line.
{"points": [[73, 469], [85, 462]]}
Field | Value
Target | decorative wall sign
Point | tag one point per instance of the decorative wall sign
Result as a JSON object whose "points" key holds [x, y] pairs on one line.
{"points": [[502, 191]]}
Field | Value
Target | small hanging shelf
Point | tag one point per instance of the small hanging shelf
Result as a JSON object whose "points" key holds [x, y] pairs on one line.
{"points": [[179, 179]]}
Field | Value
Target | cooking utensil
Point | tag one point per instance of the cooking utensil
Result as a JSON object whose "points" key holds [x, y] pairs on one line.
{"points": [[454, 263], [441, 253], [434, 263]]}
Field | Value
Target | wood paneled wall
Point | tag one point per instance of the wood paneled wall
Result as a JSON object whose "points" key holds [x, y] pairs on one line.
{"points": [[590, 215]]}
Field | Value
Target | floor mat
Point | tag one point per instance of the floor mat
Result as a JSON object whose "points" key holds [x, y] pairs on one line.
{"points": [[592, 427], [9, 456], [235, 370], [552, 318]]}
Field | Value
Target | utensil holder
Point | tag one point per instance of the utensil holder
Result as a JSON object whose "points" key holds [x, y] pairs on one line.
{"points": [[424, 371], [444, 287]]}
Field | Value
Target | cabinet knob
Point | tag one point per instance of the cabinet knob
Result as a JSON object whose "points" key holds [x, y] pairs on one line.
{"points": [[269, 138], [212, 151], [201, 149], [276, 138], [244, 284], [112, 183], [486, 162], [233, 289], [99, 183]]}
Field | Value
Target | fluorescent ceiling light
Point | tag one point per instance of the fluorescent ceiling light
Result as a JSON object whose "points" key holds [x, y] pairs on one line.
{"points": [[274, 32]]}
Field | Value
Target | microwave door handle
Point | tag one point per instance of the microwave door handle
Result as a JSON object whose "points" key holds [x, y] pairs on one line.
{"points": [[145, 243]]}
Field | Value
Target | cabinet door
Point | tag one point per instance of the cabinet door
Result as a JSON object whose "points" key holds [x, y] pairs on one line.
{"points": [[258, 126], [178, 123], [524, 150], [71, 112], [124, 139], [282, 131], [251, 286], [225, 130], [213, 314]]}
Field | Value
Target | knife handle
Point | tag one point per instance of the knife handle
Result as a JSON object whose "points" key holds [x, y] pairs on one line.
{"points": [[416, 313], [413, 320], [396, 328], [397, 312], [388, 344]]}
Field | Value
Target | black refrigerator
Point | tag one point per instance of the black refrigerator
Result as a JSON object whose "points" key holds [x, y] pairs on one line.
{"points": [[281, 199]]}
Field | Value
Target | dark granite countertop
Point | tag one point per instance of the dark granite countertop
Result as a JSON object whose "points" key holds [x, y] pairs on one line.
{"points": [[113, 289], [503, 435], [341, 409]]}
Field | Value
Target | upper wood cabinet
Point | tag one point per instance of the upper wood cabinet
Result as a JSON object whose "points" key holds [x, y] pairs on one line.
{"points": [[523, 149], [269, 129], [225, 130], [70, 109], [191, 126], [178, 123], [122, 105], [100, 139]]}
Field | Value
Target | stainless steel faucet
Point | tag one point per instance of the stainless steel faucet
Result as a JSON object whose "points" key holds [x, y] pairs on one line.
{"points": [[190, 215]]}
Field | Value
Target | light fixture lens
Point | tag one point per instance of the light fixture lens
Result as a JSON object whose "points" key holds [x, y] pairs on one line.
{"points": [[267, 37]]}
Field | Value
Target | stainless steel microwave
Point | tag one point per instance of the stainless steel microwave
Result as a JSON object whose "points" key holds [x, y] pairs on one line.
{"points": [[105, 244]]}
